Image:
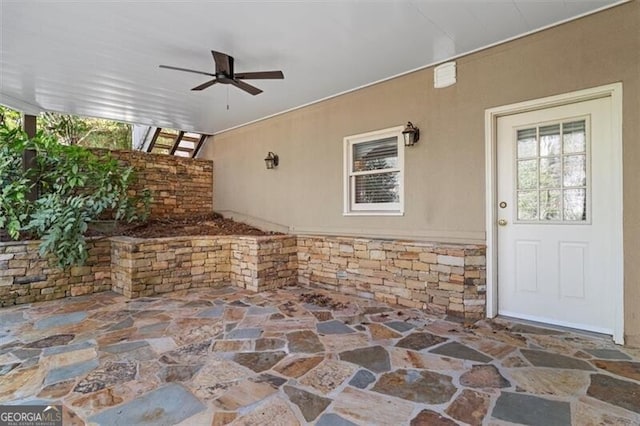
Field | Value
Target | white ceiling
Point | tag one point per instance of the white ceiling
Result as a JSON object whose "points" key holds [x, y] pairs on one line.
{"points": [[100, 58]]}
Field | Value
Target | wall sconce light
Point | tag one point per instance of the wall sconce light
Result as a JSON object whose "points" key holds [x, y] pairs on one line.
{"points": [[271, 160], [411, 134]]}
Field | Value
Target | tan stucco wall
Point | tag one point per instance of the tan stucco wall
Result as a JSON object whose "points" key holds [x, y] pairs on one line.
{"points": [[445, 176]]}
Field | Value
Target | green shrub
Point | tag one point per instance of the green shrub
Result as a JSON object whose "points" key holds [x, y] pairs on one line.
{"points": [[74, 187]]}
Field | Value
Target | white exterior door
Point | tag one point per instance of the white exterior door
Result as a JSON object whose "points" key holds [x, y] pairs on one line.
{"points": [[555, 189]]}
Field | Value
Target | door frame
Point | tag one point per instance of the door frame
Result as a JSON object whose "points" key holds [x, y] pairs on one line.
{"points": [[613, 91]]}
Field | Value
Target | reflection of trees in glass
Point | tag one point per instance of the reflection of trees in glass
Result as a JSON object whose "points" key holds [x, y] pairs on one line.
{"points": [[377, 187], [554, 179]]}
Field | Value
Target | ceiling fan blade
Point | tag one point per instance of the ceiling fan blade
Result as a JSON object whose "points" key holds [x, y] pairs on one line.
{"points": [[205, 85], [246, 87], [186, 70], [260, 75], [224, 63]]}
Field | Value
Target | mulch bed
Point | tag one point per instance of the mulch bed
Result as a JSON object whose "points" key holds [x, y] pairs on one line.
{"points": [[208, 224]]}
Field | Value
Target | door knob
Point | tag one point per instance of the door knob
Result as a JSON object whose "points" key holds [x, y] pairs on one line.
{"points": [[502, 222]]}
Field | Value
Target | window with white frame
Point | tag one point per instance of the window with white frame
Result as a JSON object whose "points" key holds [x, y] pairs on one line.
{"points": [[374, 173]]}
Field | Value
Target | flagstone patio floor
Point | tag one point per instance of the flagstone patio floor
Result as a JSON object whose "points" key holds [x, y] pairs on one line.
{"points": [[213, 357]]}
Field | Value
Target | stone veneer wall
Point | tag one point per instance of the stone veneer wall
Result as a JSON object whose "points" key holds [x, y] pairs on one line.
{"points": [[145, 267], [441, 278], [178, 185], [137, 267], [262, 263], [25, 277]]}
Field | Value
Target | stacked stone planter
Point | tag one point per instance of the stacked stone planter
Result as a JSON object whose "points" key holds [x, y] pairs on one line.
{"points": [[441, 278], [137, 267], [25, 277]]}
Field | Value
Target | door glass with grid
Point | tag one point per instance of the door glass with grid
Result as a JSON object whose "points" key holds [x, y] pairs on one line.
{"points": [[552, 173]]}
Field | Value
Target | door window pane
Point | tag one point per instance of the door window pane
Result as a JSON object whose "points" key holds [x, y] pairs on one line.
{"points": [[527, 143], [550, 140], [575, 170], [573, 137], [550, 172], [551, 204], [575, 204], [528, 174], [527, 205]]}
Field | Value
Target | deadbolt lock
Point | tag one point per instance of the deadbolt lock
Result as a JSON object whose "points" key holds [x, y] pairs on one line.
{"points": [[502, 204]]}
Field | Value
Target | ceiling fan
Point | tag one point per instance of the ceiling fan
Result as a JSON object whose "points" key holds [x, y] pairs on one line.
{"points": [[225, 74]]}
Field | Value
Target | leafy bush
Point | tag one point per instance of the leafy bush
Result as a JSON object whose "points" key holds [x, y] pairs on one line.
{"points": [[14, 182], [75, 187]]}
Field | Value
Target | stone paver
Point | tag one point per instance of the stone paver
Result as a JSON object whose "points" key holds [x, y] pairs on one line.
{"points": [[334, 327], [548, 359], [532, 410], [374, 358], [70, 371], [60, 320], [400, 326], [167, 405], [484, 376], [458, 350], [470, 407], [418, 386], [431, 418], [49, 341], [215, 312], [608, 354], [618, 392], [259, 361], [310, 405], [630, 370], [419, 341], [304, 341], [244, 333], [220, 356], [328, 375], [362, 379], [332, 419]]}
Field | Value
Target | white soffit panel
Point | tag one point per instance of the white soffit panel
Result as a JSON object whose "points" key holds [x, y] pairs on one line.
{"points": [[100, 58]]}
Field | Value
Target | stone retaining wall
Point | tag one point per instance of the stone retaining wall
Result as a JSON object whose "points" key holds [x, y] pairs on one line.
{"points": [[441, 278], [178, 185], [143, 267], [264, 263], [25, 277], [146, 267]]}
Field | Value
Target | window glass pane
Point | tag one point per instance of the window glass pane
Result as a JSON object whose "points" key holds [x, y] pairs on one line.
{"points": [[574, 137], [550, 204], [550, 140], [575, 170], [527, 205], [377, 188], [375, 155], [550, 172], [527, 143], [527, 174], [575, 204]]}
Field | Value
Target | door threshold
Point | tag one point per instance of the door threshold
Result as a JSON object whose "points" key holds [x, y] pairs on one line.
{"points": [[555, 327]]}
